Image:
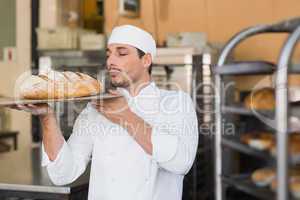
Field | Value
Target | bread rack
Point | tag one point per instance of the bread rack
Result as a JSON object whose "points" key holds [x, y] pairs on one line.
{"points": [[225, 68]]}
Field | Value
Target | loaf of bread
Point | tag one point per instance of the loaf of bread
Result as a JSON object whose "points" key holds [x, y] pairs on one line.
{"points": [[294, 182], [258, 140], [295, 187], [263, 99], [293, 147], [263, 177], [55, 85]]}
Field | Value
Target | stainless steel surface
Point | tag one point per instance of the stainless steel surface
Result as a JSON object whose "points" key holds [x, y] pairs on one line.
{"points": [[282, 113], [172, 68], [40, 181]]}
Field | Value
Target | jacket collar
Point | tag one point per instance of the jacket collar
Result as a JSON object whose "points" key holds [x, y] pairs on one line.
{"points": [[149, 89]]}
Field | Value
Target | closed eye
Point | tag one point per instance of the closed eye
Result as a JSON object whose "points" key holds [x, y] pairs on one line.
{"points": [[123, 54]]}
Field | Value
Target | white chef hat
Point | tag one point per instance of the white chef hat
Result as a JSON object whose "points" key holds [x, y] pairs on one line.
{"points": [[134, 36]]}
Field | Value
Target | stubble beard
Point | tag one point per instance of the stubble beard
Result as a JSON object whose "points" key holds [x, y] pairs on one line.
{"points": [[124, 82]]}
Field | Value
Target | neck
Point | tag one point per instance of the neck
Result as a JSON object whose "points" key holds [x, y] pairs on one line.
{"points": [[135, 88]]}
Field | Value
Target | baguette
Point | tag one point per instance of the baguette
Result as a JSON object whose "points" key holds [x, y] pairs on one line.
{"points": [[56, 85]]}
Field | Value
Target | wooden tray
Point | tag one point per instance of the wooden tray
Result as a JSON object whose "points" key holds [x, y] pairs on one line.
{"points": [[6, 101]]}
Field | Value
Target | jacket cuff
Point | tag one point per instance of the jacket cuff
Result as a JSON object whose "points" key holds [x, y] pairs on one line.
{"points": [[45, 158]]}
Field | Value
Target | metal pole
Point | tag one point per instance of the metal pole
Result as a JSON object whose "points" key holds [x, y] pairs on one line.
{"points": [[219, 102], [218, 135], [282, 113]]}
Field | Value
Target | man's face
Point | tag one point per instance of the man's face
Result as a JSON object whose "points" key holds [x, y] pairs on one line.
{"points": [[124, 65]]}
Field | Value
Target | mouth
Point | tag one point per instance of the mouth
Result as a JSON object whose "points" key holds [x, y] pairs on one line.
{"points": [[114, 72]]}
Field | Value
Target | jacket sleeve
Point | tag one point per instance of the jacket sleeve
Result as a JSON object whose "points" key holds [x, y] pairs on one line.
{"points": [[175, 137], [74, 155]]}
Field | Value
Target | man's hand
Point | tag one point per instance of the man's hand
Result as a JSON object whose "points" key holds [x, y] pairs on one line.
{"points": [[117, 111], [114, 109], [34, 109]]}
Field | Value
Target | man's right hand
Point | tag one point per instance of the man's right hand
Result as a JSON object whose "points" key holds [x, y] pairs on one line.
{"points": [[34, 109]]}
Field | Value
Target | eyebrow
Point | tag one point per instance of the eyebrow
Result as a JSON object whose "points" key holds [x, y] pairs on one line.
{"points": [[118, 48], [122, 48]]}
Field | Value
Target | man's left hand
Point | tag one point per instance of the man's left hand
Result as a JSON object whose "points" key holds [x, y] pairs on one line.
{"points": [[114, 109]]}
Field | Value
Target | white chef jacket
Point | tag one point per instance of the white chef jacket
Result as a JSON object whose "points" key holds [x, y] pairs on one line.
{"points": [[120, 168]]}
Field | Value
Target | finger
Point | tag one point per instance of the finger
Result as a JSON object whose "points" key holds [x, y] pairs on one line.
{"points": [[21, 106], [114, 92], [13, 107], [31, 106], [24, 107]]}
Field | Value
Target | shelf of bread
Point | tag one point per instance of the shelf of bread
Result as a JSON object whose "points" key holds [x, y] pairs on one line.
{"points": [[262, 182], [236, 144], [258, 102], [263, 145], [262, 102], [244, 183], [246, 68], [241, 110]]}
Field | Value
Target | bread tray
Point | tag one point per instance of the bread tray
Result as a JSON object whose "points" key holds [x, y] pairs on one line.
{"points": [[7, 101]]}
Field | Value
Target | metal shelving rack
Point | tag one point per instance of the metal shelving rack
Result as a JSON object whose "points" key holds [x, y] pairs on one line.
{"points": [[223, 69]]}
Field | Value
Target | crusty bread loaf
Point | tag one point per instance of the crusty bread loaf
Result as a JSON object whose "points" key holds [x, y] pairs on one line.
{"points": [[293, 147], [294, 182], [263, 177], [55, 85], [263, 99], [258, 140], [295, 187]]}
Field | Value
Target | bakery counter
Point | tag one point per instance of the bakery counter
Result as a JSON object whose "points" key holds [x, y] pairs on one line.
{"points": [[37, 184]]}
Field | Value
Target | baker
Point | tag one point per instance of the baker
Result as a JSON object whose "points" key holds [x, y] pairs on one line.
{"points": [[140, 145]]}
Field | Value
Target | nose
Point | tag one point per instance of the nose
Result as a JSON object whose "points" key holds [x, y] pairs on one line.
{"points": [[110, 61]]}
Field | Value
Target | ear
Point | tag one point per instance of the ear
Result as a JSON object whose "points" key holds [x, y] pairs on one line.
{"points": [[147, 60]]}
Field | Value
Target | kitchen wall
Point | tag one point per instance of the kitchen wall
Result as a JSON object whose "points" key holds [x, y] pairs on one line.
{"points": [[220, 19], [9, 72], [7, 23]]}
